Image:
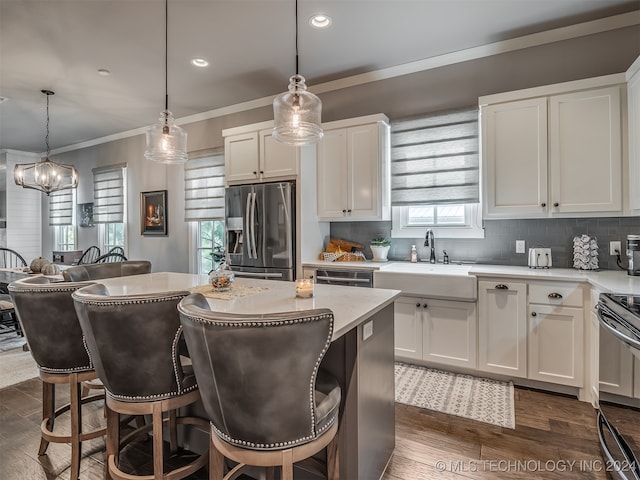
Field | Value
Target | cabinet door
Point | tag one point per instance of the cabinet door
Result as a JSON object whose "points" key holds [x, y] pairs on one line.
{"points": [[333, 174], [556, 336], [449, 333], [408, 327], [585, 151], [276, 159], [633, 102], [616, 365], [364, 174], [241, 157], [515, 159], [502, 327]]}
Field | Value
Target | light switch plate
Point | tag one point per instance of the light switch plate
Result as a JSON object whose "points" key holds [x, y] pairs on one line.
{"points": [[367, 330], [519, 246]]}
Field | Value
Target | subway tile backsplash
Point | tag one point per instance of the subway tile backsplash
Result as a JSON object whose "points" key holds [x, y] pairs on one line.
{"points": [[499, 245]]}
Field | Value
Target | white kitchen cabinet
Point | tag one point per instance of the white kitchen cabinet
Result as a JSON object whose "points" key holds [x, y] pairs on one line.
{"points": [[353, 170], [502, 327], [438, 331], [633, 103], [552, 155], [255, 156]]}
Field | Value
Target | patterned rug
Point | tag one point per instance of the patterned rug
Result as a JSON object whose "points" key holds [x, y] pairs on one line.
{"points": [[481, 399]]}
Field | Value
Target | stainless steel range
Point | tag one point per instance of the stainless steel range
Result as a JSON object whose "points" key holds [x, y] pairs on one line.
{"points": [[620, 316]]}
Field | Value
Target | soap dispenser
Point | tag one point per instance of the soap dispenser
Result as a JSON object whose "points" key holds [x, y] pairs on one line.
{"points": [[414, 254]]}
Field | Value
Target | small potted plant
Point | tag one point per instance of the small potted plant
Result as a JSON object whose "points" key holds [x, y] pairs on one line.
{"points": [[380, 248]]}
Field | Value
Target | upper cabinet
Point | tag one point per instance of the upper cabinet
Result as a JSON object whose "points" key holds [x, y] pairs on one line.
{"points": [[553, 155], [633, 102], [353, 170], [253, 155]]}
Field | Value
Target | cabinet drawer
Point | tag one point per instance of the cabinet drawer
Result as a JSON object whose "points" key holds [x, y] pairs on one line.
{"points": [[555, 293]]}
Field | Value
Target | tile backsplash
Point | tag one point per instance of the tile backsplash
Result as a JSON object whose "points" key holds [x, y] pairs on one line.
{"points": [[499, 244]]}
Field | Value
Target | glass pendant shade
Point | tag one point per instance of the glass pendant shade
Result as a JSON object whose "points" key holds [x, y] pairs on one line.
{"points": [[297, 115], [166, 141], [46, 176]]}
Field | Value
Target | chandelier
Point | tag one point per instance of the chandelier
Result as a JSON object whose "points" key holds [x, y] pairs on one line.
{"points": [[297, 113], [47, 175]]}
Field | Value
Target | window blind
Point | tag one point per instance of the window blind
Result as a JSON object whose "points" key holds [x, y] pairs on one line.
{"points": [[204, 188], [434, 159], [61, 207], [108, 194]]}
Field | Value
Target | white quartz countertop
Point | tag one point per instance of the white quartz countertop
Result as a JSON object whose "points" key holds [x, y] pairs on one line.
{"points": [[350, 305]]}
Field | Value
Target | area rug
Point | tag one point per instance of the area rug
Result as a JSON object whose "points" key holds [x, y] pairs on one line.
{"points": [[477, 398], [16, 366]]}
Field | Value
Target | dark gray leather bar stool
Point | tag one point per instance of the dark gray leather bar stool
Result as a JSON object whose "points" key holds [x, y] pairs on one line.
{"points": [[135, 342], [50, 324], [267, 401], [99, 271]]}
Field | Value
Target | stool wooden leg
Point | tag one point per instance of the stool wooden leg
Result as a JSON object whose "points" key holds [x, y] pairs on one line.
{"points": [[270, 473], [216, 463], [333, 464], [113, 438], [76, 425], [287, 464], [173, 432], [48, 407], [158, 463]]}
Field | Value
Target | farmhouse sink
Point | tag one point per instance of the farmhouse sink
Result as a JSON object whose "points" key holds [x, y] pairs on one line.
{"points": [[451, 282]]}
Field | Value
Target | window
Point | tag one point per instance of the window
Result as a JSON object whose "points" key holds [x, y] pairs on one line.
{"points": [[435, 175], [109, 199], [204, 209], [61, 218]]}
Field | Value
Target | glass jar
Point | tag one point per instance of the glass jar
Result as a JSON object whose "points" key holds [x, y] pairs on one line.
{"points": [[221, 279]]}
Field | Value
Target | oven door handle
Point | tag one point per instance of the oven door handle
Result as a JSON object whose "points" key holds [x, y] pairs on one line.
{"points": [[343, 279], [632, 465], [608, 322]]}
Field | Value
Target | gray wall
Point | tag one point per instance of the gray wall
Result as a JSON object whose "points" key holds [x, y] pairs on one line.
{"points": [[499, 245], [437, 89]]}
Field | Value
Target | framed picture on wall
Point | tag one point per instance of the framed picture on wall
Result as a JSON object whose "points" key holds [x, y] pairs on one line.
{"points": [[153, 213], [85, 214]]}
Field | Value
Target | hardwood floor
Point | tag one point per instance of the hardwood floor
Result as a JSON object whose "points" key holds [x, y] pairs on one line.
{"points": [[551, 432]]}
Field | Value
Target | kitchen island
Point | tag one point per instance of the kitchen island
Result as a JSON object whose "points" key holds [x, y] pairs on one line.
{"points": [[361, 354]]}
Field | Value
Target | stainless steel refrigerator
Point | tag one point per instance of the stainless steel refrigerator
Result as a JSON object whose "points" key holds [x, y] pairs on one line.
{"points": [[260, 226]]}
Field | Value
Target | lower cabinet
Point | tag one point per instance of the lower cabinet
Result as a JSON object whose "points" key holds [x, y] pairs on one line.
{"points": [[438, 331]]}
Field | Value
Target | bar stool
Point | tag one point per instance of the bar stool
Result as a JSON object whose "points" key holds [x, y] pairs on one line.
{"points": [[135, 342], [50, 324], [98, 271], [267, 401]]}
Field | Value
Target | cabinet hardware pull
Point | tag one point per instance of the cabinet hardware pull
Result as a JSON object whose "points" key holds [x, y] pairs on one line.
{"points": [[556, 204], [424, 305], [344, 212], [502, 286], [349, 211], [544, 204], [554, 295], [533, 314], [255, 173], [261, 172], [418, 305]]}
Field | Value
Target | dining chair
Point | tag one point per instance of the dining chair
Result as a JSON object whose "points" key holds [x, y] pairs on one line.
{"points": [[11, 259], [136, 342], [99, 271], [119, 250], [268, 402], [48, 317], [111, 257], [90, 255]]}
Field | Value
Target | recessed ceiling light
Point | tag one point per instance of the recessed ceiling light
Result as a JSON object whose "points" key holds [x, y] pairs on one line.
{"points": [[199, 62], [320, 21], [104, 72]]}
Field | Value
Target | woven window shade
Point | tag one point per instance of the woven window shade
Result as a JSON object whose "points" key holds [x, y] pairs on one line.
{"points": [[204, 188], [434, 159], [108, 194], [61, 207]]}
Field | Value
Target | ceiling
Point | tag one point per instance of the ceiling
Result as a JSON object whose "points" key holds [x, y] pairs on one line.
{"points": [[61, 44]]}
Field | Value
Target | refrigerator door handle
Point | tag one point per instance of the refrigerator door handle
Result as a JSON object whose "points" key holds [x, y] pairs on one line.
{"points": [[253, 229], [248, 226]]}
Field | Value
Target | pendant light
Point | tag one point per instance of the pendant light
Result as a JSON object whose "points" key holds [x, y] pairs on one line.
{"points": [[46, 176], [297, 113], [166, 141]]}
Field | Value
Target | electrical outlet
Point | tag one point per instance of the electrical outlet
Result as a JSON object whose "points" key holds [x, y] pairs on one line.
{"points": [[613, 246], [519, 246], [367, 330]]}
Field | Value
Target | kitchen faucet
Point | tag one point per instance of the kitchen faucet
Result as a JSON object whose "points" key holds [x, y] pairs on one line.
{"points": [[429, 241]]}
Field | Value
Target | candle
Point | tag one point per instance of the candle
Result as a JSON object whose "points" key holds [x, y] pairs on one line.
{"points": [[304, 288]]}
